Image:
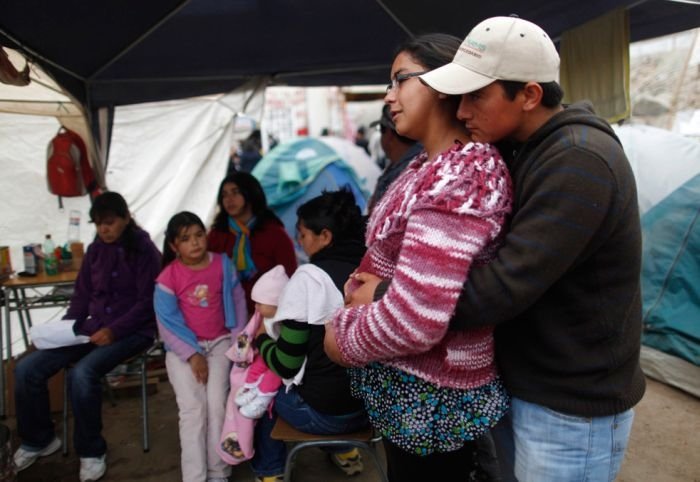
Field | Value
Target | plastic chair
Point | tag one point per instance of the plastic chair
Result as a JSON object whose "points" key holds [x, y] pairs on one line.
{"points": [[142, 371], [364, 439]]}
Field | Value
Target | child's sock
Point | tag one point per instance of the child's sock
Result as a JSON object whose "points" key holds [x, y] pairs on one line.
{"points": [[351, 454], [270, 478], [349, 462]]}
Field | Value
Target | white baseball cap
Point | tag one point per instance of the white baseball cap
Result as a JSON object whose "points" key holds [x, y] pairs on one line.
{"points": [[499, 48]]}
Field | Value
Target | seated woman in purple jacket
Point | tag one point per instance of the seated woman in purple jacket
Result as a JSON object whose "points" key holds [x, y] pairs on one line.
{"points": [[113, 305]]}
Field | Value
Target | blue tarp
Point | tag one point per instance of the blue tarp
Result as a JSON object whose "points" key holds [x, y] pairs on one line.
{"points": [[301, 169], [671, 273]]}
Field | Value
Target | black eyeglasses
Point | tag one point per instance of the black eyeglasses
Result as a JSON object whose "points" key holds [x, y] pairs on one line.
{"points": [[400, 78]]}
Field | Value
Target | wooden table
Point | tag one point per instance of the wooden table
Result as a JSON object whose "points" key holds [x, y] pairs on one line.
{"points": [[16, 299]]}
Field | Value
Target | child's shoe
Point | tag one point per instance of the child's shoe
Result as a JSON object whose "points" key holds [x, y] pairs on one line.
{"points": [[349, 462], [257, 407], [245, 395], [270, 478]]}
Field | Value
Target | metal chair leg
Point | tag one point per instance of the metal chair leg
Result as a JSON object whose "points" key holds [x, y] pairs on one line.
{"points": [[144, 402], [22, 311], [110, 392], [65, 412]]}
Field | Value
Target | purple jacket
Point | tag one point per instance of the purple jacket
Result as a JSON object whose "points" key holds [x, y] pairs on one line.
{"points": [[114, 288]]}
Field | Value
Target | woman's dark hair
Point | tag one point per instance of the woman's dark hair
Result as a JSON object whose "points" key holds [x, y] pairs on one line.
{"points": [[112, 203], [433, 50], [177, 223], [253, 194], [552, 93], [335, 211]]}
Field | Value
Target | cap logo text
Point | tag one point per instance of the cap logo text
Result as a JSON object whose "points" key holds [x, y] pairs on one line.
{"points": [[476, 45]]}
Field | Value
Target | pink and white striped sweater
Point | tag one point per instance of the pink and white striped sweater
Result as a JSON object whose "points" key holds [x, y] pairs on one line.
{"points": [[436, 219]]}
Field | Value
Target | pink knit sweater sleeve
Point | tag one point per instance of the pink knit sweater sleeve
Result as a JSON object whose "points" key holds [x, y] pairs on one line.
{"points": [[414, 314], [455, 217]]}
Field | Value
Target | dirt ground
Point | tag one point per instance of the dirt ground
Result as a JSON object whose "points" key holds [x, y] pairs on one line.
{"points": [[664, 446]]}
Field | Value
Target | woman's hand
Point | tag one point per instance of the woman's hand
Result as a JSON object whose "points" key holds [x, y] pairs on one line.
{"points": [[199, 367], [102, 337], [330, 346], [364, 294], [348, 286]]}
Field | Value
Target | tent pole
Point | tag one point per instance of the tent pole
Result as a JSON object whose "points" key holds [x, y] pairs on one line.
{"points": [[395, 18], [33, 54], [676, 92], [261, 85], [338, 70], [139, 39]]}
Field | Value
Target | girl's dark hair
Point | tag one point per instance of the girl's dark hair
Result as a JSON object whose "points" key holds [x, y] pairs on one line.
{"points": [[253, 194], [112, 203], [177, 223], [432, 50], [335, 211]]}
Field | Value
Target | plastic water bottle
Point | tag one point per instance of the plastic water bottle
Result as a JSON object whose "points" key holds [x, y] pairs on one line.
{"points": [[50, 262], [73, 227]]}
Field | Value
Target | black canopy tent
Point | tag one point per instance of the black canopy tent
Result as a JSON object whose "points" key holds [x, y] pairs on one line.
{"points": [[117, 52]]}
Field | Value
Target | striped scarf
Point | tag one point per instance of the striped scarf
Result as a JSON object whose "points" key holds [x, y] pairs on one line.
{"points": [[242, 260]]}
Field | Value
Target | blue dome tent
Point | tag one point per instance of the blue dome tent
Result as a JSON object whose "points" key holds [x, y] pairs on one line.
{"points": [[671, 273], [668, 183], [301, 169]]}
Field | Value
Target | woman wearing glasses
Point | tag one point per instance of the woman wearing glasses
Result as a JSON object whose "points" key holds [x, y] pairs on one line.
{"points": [[431, 392]]}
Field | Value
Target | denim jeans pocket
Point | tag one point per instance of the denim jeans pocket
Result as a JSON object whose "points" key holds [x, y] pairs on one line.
{"points": [[566, 417]]}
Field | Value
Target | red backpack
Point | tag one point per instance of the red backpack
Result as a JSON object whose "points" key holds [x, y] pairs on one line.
{"points": [[68, 170]]}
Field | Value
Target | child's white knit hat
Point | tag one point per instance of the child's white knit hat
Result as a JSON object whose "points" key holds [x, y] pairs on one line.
{"points": [[267, 289]]}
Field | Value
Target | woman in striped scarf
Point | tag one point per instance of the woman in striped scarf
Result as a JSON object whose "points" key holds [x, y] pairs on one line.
{"points": [[247, 230]]}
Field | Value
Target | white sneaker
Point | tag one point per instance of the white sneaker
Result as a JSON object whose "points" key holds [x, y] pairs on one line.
{"points": [[24, 458], [245, 395], [257, 407], [92, 468]]}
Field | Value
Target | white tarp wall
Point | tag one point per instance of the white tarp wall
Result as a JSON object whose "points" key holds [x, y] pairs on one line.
{"points": [[661, 160], [168, 158], [43, 97], [171, 156], [29, 211], [165, 157]]}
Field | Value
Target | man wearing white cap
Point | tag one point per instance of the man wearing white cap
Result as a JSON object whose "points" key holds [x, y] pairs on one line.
{"points": [[564, 289]]}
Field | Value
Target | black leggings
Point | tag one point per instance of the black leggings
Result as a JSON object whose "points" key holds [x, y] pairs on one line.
{"points": [[460, 465]]}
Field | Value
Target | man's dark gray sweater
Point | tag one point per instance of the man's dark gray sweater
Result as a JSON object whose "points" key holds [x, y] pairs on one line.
{"points": [[564, 290]]}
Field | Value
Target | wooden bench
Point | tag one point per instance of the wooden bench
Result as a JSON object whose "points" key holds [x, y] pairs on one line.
{"points": [[363, 439]]}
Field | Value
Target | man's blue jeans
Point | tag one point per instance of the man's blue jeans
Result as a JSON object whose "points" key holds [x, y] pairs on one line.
{"points": [[91, 363], [270, 454], [537, 444]]}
